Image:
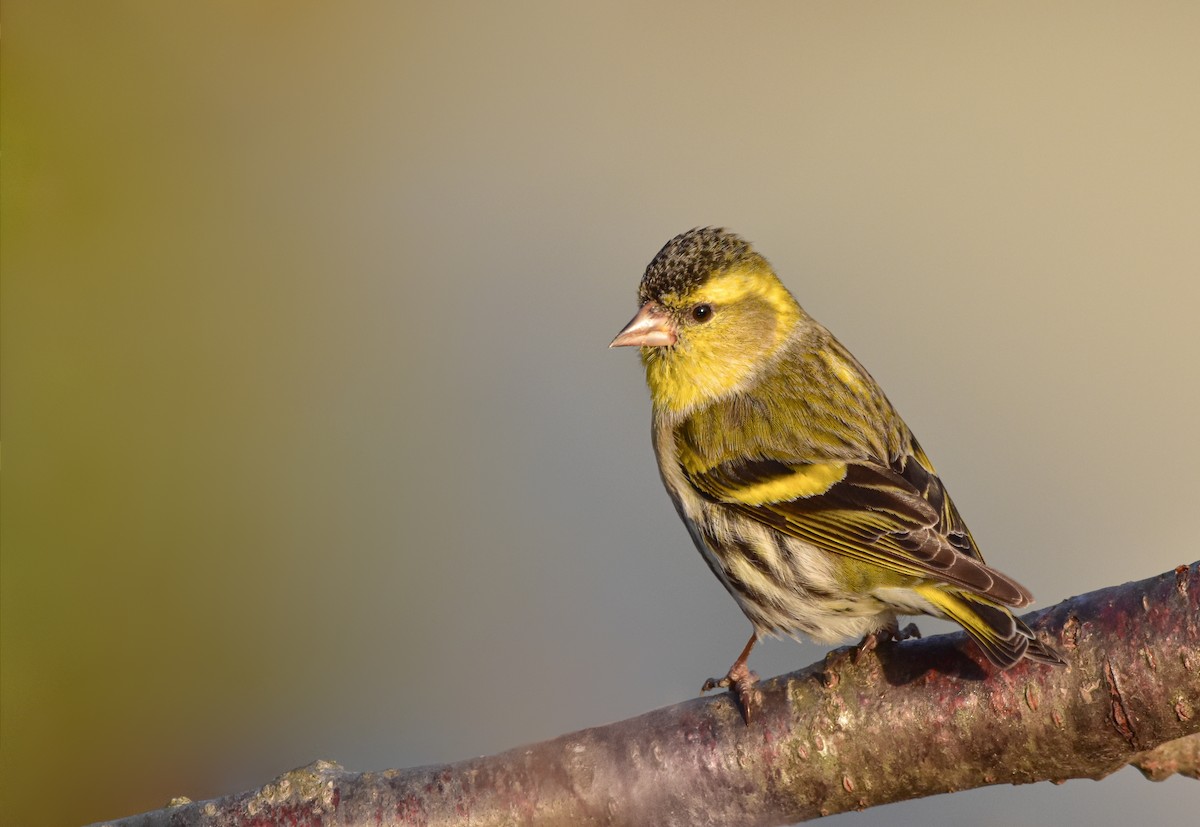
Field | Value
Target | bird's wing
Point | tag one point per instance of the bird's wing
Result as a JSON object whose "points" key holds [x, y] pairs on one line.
{"points": [[918, 471], [895, 518]]}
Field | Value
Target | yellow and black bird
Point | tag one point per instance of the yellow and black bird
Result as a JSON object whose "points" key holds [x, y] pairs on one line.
{"points": [[801, 486]]}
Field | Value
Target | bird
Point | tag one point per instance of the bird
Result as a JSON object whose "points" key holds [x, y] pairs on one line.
{"points": [[803, 489]]}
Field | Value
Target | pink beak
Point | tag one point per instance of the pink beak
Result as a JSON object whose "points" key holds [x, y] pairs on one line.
{"points": [[651, 327]]}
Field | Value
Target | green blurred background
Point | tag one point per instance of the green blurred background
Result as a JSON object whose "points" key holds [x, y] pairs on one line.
{"points": [[313, 446]]}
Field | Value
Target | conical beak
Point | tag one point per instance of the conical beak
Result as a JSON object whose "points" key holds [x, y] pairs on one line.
{"points": [[651, 327]]}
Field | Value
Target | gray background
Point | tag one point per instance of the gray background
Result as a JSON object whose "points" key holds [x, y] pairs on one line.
{"points": [[313, 446]]}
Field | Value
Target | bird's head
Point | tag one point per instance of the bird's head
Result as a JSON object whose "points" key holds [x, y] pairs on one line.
{"points": [[712, 314]]}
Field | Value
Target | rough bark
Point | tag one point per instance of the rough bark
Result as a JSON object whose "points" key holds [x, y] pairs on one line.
{"points": [[918, 718]]}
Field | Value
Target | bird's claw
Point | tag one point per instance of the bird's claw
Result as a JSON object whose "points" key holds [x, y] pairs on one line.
{"points": [[868, 644], [741, 682], [865, 647], [892, 632]]}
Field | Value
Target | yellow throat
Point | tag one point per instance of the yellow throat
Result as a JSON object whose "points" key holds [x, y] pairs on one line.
{"points": [[714, 361]]}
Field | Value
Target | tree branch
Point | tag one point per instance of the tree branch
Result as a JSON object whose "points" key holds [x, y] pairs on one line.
{"points": [[923, 717]]}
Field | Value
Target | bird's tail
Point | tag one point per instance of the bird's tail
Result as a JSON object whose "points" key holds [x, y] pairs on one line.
{"points": [[1000, 634]]}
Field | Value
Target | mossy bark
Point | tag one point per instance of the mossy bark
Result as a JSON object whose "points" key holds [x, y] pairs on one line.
{"points": [[914, 719]]}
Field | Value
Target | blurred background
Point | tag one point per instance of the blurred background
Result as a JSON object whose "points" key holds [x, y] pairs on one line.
{"points": [[313, 445]]}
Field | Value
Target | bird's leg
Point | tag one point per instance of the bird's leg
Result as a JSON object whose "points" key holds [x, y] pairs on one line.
{"points": [[741, 682]]}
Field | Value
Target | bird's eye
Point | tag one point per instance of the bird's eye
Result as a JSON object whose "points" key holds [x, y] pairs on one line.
{"points": [[702, 312]]}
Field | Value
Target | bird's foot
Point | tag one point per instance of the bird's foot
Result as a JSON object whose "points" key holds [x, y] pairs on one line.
{"points": [[740, 681], [838, 658], [891, 632], [865, 646]]}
